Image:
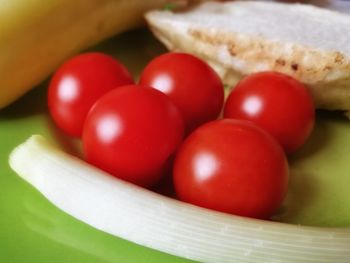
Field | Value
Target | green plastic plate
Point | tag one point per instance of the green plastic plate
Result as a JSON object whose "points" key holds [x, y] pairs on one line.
{"points": [[34, 230]]}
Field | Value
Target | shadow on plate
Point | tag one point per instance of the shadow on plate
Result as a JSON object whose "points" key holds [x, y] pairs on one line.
{"points": [[306, 184], [298, 199], [320, 137], [33, 103], [302, 190]]}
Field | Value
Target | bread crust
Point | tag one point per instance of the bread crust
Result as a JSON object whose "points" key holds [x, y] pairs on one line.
{"points": [[326, 73]]}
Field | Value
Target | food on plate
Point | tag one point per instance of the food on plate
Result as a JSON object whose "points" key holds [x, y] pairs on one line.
{"points": [[238, 38], [276, 102], [131, 132], [149, 219], [37, 36], [78, 83], [134, 132], [191, 83], [232, 166]]}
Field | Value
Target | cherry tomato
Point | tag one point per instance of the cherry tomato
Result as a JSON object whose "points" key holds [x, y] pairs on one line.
{"points": [[232, 166], [77, 85], [193, 86], [276, 102], [131, 132]]}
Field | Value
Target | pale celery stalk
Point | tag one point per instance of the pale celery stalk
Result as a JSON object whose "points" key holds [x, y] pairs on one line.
{"points": [[168, 225]]}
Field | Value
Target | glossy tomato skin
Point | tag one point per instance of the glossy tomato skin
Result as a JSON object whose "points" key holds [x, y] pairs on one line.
{"points": [[232, 166], [276, 102], [131, 132], [77, 85], [193, 86]]}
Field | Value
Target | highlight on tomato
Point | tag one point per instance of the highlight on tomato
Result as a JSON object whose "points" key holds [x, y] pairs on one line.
{"points": [[131, 132], [276, 102], [78, 83], [191, 83], [232, 166]]}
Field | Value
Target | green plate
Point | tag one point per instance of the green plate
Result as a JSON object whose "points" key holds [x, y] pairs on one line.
{"points": [[34, 230]]}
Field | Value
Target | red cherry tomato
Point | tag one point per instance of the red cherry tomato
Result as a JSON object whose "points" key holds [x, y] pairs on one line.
{"points": [[276, 102], [77, 85], [131, 132], [193, 86], [232, 166]]}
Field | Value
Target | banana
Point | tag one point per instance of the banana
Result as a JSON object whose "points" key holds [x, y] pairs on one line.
{"points": [[37, 35]]}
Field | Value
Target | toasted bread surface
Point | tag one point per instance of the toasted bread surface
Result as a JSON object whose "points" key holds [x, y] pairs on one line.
{"points": [[240, 38]]}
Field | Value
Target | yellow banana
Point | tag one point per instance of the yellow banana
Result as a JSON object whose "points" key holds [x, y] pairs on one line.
{"points": [[37, 35]]}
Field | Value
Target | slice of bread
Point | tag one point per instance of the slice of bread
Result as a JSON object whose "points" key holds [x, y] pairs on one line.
{"points": [[241, 37]]}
